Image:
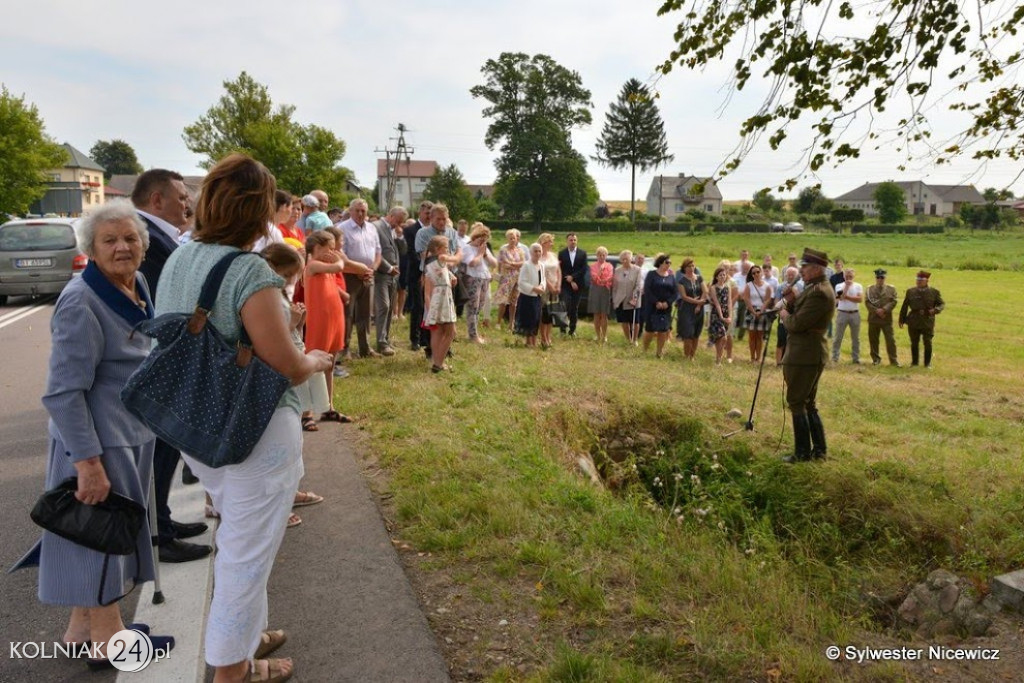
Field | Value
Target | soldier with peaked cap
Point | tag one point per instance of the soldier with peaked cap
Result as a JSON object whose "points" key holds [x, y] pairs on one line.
{"points": [[880, 301], [920, 306], [807, 317]]}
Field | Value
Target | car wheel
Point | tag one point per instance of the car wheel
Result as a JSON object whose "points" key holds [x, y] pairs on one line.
{"points": [[3, 299]]}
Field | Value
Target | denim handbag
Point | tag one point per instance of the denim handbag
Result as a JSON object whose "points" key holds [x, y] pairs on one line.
{"points": [[195, 391]]}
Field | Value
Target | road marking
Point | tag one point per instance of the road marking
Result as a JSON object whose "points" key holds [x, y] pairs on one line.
{"points": [[19, 313]]}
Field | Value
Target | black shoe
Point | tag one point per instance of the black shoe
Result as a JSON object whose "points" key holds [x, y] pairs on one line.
{"points": [[427, 352], [414, 347], [187, 478], [182, 551], [182, 530]]}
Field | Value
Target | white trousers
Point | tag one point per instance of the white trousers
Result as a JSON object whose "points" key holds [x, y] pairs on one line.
{"points": [[254, 499]]}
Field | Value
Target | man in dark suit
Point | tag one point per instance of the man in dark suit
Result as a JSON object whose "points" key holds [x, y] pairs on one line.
{"points": [[162, 200], [573, 262], [413, 274]]}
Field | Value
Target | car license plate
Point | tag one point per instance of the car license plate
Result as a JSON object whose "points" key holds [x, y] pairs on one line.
{"points": [[33, 262]]}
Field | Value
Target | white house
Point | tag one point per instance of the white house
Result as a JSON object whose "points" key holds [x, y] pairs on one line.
{"points": [[921, 198], [411, 179], [672, 195]]}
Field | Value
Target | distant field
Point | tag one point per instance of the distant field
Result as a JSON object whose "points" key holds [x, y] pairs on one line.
{"points": [[957, 251]]}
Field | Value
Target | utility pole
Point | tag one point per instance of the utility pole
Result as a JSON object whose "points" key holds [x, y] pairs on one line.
{"points": [[392, 158]]}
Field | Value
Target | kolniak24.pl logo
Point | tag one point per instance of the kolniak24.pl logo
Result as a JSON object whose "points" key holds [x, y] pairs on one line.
{"points": [[128, 650]]}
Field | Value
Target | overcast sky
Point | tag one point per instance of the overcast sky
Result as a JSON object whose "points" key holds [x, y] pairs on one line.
{"points": [[142, 71]]}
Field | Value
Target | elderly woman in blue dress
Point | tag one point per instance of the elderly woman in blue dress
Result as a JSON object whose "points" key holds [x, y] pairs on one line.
{"points": [[92, 436]]}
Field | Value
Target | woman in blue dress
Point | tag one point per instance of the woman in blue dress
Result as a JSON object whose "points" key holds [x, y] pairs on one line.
{"points": [[660, 293], [92, 436]]}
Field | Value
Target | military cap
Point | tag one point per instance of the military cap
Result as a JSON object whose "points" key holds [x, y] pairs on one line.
{"points": [[815, 257], [880, 272], [923, 275]]}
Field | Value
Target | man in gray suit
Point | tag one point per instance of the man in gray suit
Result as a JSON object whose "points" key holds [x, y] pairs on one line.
{"points": [[385, 284]]}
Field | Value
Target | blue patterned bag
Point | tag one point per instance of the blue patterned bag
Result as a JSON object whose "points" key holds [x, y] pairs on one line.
{"points": [[195, 391]]}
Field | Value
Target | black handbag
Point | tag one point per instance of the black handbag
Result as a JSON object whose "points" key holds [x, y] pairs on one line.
{"points": [[459, 292], [558, 313], [111, 527], [198, 393]]}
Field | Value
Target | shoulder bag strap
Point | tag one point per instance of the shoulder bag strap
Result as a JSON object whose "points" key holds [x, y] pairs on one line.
{"points": [[208, 295]]}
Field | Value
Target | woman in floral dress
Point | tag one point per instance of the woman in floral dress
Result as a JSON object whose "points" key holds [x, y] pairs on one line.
{"points": [[511, 258]]}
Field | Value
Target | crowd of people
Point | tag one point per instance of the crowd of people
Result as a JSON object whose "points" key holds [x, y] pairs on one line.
{"points": [[329, 271]]}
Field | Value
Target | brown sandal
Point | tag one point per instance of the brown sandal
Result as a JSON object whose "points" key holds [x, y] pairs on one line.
{"points": [[335, 416], [270, 670], [270, 641], [309, 424]]}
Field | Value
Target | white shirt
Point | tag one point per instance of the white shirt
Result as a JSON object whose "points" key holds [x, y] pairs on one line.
{"points": [[171, 231], [273, 236], [572, 257], [480, 271], [362, 243], [849, 306]]}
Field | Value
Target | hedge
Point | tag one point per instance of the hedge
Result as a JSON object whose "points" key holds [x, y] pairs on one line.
{"points": [[907, 229], [624, 226]]}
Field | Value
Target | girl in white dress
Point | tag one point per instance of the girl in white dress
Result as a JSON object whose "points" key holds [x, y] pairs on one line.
{"points": [[439, 311]]}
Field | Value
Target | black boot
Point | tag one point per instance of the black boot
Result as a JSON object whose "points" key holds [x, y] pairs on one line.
{"points": [[818, 448], [802, 439], [913, 354], [927, 357]]}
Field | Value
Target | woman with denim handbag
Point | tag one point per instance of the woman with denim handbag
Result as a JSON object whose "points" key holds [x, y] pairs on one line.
{"points": [[255, 496]]}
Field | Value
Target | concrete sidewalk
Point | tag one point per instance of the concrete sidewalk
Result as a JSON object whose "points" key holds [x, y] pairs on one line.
{"points": [[338, 588]]}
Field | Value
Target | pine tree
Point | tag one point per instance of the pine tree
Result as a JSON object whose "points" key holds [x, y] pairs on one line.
{"points": [[633, 135]]}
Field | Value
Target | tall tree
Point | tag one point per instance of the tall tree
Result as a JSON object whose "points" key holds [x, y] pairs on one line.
{"points": [[633, 135], [303, 158], [26, 153], [811, 200], [116, 156], [891, 203], [535, 103], [844, 63], [448, 186], [766, 201]]}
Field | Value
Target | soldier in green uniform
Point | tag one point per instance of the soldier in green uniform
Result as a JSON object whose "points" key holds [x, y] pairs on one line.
{"points": [[920, 306], [880, 301], [807, 317]]}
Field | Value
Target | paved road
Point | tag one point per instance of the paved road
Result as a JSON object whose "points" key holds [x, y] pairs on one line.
{"points": [[338, 588]]}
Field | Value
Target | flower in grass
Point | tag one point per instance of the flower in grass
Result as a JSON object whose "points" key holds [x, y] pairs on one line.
{"points": [[749, 551], [657, 482], [678, 476], [695, 479], [721, 525], [702, 512], [677, 511]]}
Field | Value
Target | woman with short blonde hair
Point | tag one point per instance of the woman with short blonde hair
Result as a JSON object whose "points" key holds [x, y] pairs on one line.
{"points": [[599, 301], [511, 258], [626, 286], [478, 261]]}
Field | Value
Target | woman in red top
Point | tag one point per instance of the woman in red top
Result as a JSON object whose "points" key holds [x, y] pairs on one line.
{"points": [[287, 216], [599, 301]]}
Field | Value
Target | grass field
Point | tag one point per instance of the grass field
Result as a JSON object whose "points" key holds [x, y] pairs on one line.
{"points": [[701, 557]]}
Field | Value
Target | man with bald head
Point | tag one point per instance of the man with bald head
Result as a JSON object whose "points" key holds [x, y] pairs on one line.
{"points": [[807, 316]]}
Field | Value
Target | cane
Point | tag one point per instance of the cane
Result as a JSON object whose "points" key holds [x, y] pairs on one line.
{"points": [[749, 426], [154, 539]]}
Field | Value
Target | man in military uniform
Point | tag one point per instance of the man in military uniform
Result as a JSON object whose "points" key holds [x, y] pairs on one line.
{"points": [[807, 317], [920, 306], [880, 301]]}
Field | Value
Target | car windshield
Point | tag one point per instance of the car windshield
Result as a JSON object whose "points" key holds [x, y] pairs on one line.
{"points": [[36, 237]]}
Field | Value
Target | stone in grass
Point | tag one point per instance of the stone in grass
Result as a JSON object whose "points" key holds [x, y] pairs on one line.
{"points": [[1008, 590], [735, 413], [942, 606]]}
